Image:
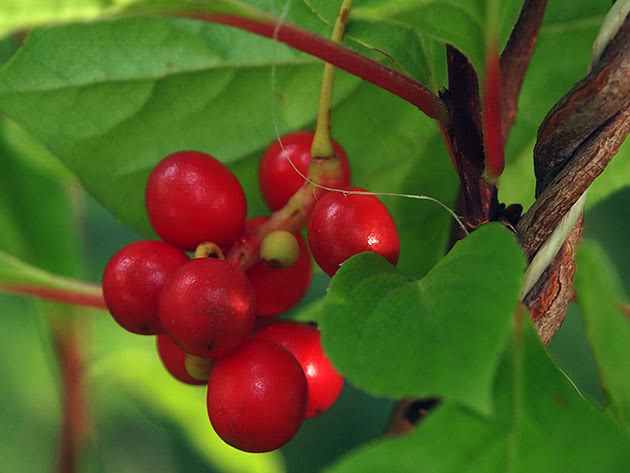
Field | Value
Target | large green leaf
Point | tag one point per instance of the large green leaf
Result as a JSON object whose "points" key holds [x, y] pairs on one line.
{"points": [[36, 212], [138, 89], [410, 36], [540, 424], [112, 98], [463, 23], [17, 14], [444, 333], [602, 223], [607, 326]]}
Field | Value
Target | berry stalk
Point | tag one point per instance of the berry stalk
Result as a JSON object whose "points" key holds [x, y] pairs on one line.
{"points": [[322, 142], [292, 218], [324, 165]]}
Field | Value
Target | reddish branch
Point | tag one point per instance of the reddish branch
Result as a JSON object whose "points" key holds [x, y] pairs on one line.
{"points": [[492, 130], [350, 61], [515, 59], [72, 395], [56, 295]]}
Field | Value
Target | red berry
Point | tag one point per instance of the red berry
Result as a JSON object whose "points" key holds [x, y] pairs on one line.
{"points": [[174, 360], [343, 225], [191, 197], [207, 307], [304, 343], [257, 397], [133, 279], [277, 289], [278, 180]]}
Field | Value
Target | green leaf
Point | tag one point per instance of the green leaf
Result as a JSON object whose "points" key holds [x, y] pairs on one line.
{"points": [[410, 36], [444, 334], [181, 404], [111, 112], [540, 424], [615, 177], [111, 99], [33, 198], [18, 14], [462, 23], [600, 297], [603, 224], [31, 413]]}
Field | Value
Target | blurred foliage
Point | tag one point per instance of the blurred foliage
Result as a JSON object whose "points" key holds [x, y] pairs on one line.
{"points": [[101, 102]]}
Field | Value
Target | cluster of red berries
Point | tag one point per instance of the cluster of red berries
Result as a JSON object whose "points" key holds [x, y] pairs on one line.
{"points": [[204, 310]]}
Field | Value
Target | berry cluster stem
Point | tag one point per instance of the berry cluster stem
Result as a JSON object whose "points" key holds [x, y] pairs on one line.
{"points": [[292, 217], [324, 164], [322, 142]]}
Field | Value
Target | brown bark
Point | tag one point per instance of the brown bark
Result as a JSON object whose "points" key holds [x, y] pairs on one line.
{"points": [[576, 141], [464, 139]]}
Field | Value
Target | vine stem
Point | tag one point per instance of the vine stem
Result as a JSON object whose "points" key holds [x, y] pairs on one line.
{"points": [[350, 61], [322, 146]]}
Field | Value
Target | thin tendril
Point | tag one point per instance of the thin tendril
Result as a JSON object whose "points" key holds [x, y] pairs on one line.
{"points": [[281, 21]]}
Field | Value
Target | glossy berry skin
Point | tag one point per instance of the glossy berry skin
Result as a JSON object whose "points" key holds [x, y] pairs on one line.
{"points": [[173, 358], [133, 279], [276, 289], [278, 180], [207, 307], [304, 343], [344, 225], [191, 198], [257, 397]]}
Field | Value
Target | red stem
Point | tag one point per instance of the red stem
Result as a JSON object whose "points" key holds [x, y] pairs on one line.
{"points": [[492, 130], [56, 295], [72, 394], [350, 61]]}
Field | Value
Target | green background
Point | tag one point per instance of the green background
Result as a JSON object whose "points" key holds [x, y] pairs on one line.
{"points": [[69, 124]]}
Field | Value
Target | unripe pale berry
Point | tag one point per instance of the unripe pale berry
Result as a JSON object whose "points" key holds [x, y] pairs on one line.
{"points": [[279, 249], [191, 197], [133, 279], [343, 225], [304, 343], [173, 359], [278, 180], [257, 396], [277, 290], [207, 307], [198, 367]]}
